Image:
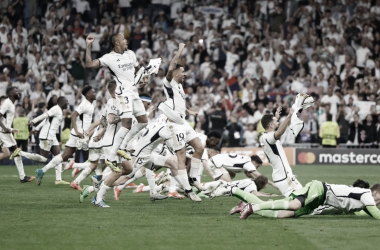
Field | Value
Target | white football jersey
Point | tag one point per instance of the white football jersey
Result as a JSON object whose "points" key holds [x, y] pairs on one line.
{"points": [[109, 135], [52, 123], [175, 96], [276, 157], [150, 137], [233, 162], [7, 111], [348, 198], [85, 111], [122, 69]]}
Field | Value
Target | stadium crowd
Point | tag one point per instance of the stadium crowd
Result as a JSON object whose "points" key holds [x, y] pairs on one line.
{"points": [[242, 58]]}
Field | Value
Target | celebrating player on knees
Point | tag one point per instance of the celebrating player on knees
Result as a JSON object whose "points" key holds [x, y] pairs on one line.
{"points": [[282, 173]]}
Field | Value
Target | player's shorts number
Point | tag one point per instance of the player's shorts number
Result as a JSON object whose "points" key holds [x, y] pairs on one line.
{"points": [[126, 99], [139, 161], [180, 137]]}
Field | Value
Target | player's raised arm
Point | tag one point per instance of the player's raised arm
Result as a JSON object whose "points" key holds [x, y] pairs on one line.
{"points": [[89, 62], [174, 62], [281, 129]]}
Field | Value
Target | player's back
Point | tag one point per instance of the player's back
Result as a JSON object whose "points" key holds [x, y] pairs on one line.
{"points": [[276, 156], [348, 198], [232, 162], [7, 110], [52, 123]]}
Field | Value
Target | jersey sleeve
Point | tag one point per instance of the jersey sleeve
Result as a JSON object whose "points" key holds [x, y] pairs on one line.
{"points": [[269, 137], [81, 108], [249, 167], [135, 62], [104, 60], [53, 111], [4, 108], [112, 107], [166, 83], [367, 199]]}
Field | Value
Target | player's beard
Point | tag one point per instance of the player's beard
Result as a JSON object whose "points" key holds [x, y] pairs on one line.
{"points": [[17, 96]]}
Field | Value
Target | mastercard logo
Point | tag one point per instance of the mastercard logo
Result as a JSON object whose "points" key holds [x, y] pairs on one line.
{"points": [[306, 157]]}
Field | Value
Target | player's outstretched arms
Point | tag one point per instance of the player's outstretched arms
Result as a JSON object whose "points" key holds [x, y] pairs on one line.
{"points": [[174, 62], [281, 129], [89, 62]]}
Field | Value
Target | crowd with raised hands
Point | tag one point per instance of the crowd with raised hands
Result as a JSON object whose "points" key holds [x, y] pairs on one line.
{"points": [[242, 59]]}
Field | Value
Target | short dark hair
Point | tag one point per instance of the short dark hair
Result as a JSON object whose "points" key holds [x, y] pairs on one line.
{"points": [[266, 120], [9, 89], [112, 40], [86, 89], [60, 99], [256, 159], [178, 66], [360, 183], [375, 187], [260, 182]]}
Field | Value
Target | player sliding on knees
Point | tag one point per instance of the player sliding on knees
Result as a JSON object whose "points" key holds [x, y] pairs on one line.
{"points": [[282, 174], [175, 110], [304, 201], [122, 64], [48, 127]]}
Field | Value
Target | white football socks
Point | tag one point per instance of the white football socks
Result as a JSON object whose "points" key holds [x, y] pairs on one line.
{"points": [[195, 166], [151, 181], [119, 137], [83, 175], [182, 174], [58, 172], [81, 165], [20, 167], [53, 163], [102, 192], [173, 184], [134, 130], [34, 157]]}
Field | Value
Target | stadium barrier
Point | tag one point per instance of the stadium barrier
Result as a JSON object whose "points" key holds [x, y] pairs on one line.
{"points": [[289, 152], [328, 156]]}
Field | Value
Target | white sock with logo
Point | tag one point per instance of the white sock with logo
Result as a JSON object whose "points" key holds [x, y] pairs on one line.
{"points": [[32, 156], [53, 163], [58, 172], [20, 167]]}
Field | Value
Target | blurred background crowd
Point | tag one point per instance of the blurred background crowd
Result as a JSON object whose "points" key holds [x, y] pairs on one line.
{"points": [[243, 59]]}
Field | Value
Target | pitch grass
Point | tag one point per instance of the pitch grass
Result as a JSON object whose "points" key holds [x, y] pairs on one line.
{"points": [[50, 217]]}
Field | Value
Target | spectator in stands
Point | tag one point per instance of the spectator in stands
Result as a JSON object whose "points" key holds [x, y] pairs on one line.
{"points": [[235, 132], [370, 131], [309, 133], [218, 118], [354, 132]]}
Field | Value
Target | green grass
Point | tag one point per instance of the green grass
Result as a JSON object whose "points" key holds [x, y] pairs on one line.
{"points": [[51, 217]]}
